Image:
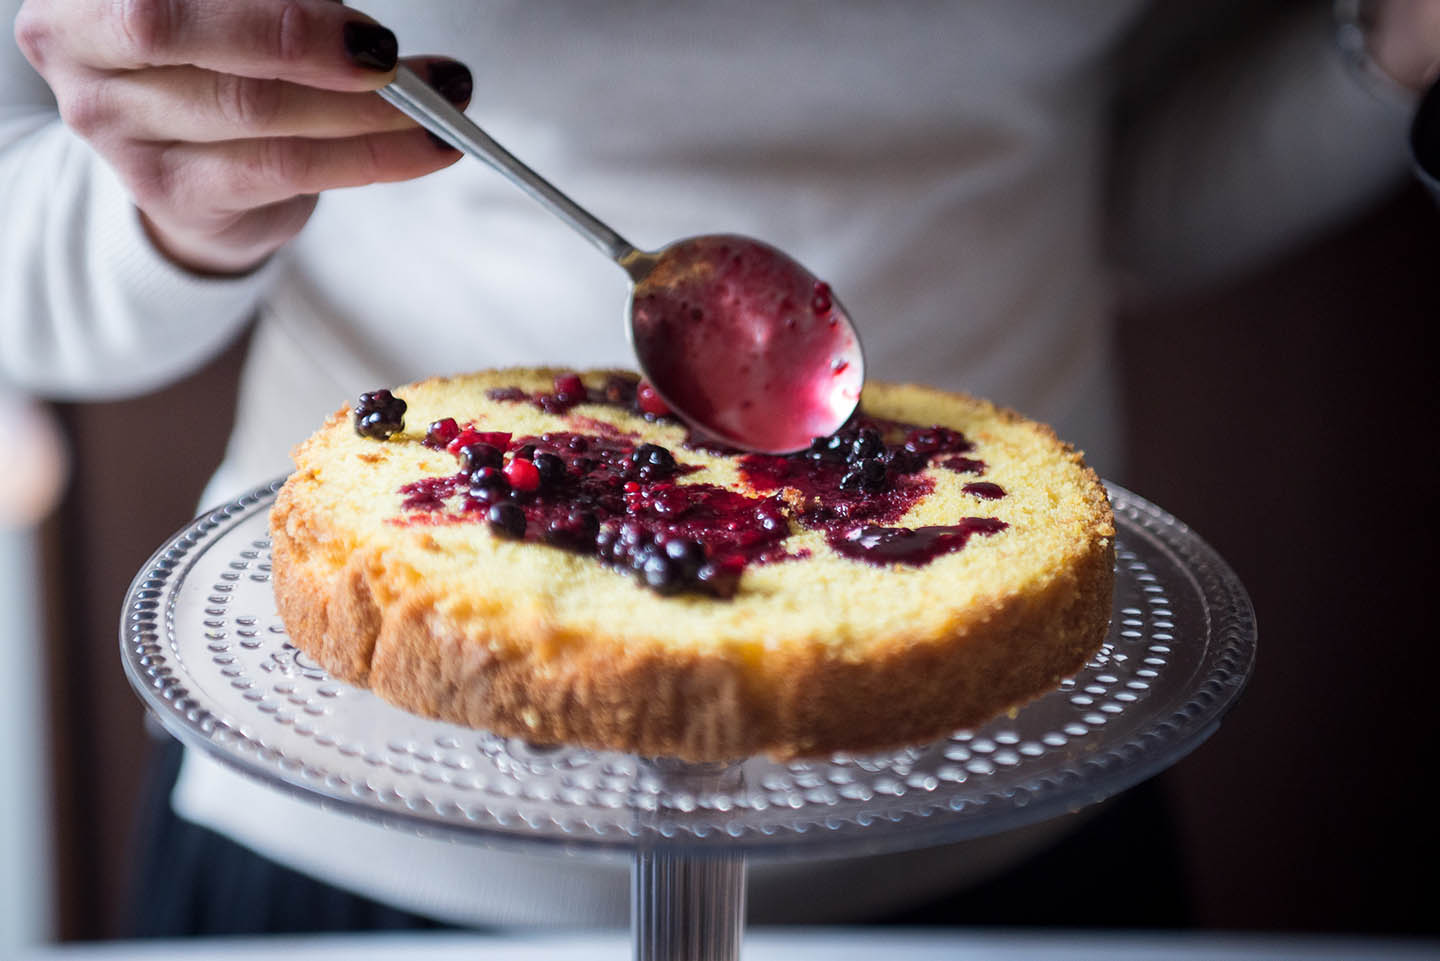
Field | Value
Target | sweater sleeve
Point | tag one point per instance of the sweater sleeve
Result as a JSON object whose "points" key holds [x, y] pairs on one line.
{"points": [[88, 307], [1255, 148]]}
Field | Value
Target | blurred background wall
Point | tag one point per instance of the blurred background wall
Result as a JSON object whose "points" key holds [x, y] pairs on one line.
{"points": [[30, 480], [1287, 418]]}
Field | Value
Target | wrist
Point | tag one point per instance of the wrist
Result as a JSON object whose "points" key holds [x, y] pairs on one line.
{"points": [[199, 257]]}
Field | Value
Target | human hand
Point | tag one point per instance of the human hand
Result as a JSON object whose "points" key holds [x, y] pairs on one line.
{"points": [[226, 118], [1404, 41]]}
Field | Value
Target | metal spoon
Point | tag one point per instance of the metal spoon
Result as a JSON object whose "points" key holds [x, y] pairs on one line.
{"points": [[743, 343]]}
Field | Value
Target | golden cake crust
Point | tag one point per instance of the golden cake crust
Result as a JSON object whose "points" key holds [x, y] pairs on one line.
{"points": [[813, 655]]}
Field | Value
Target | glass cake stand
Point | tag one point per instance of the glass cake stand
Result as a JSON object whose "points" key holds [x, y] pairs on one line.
{"points": [[205, 649]]}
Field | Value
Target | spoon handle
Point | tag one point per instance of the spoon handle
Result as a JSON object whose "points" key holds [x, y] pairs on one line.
{"points": [[412, 96]]}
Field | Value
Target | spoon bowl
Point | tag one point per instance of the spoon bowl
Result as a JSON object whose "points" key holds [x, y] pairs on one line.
{"points": [[749, 347], [745, 345]]}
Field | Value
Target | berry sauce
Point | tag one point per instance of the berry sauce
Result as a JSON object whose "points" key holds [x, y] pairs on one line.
{"points": [[915, 546], [867, 474], [985, 490], [627, 392], [601, 491], [964, 465], [604, 495]]}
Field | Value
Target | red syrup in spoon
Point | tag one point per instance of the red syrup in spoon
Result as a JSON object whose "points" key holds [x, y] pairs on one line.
{"points": [[745, 344]]}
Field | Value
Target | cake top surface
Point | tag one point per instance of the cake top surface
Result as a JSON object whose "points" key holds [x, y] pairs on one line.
{"points": [[926, 514]]}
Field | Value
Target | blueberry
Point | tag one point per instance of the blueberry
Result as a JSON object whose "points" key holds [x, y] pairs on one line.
{"points": [[506, 520], [489, 483], [550, 466], [475, 456]]}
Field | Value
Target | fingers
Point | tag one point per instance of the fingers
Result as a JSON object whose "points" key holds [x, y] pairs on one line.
{"points": [[206, 183], [192, 104], [318, 43]]}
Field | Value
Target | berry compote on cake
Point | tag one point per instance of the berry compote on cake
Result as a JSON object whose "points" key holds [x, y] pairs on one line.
{"points": [[551, 555]]}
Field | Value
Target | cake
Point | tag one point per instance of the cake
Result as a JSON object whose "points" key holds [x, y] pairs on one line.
{"points": [[552, 556]]}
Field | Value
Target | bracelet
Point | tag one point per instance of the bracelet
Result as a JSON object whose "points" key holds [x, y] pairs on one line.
{"points": [[1354, 19]]}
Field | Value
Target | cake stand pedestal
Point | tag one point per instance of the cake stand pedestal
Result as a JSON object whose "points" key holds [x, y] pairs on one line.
{"points": [[205, 649]]}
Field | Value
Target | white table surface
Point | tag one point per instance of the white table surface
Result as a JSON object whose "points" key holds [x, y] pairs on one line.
{"points": [[771, 944]]}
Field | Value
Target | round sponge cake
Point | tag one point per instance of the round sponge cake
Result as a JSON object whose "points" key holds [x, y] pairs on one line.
{"points": [[628, 587]]}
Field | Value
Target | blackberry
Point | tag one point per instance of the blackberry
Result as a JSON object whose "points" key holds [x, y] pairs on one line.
{"points": [[662, 574], [606, 542], [717, 580], [688, 555], [643, 553], [865, 446], [378, 414], [867, 475]]}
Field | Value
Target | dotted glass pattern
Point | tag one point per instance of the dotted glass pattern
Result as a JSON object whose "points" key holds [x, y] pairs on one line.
{"points": [[203, 645]]}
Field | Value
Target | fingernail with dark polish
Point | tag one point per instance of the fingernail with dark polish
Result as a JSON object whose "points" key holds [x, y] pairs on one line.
{"points": [[451, 80], [371, 46]]}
